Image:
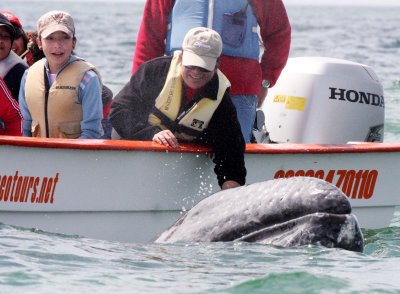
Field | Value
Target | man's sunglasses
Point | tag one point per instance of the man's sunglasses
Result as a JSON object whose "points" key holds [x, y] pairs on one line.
{"points": [[192, 67]]}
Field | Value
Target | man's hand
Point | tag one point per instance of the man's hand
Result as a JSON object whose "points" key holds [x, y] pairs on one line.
{"points": [[166, 138], [230, 184], [261, 96]]}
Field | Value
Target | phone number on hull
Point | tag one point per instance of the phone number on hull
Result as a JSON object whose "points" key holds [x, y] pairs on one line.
{"points": [[356, 184]]}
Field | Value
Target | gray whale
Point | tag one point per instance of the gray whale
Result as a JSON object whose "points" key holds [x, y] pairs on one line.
{"points": [[284, 212]]}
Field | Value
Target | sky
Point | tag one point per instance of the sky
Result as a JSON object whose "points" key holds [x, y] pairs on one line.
{"points": [[344, 2]]}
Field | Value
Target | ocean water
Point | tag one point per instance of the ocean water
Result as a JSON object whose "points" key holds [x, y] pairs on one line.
{"points": [[34, 261]]}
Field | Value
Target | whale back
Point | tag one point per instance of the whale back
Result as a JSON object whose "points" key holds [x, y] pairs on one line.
{"points": [[257, 212]]}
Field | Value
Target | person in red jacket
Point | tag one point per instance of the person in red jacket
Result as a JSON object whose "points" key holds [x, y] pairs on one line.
{"points": [[10, 115], [250, 78], [12, 67]]}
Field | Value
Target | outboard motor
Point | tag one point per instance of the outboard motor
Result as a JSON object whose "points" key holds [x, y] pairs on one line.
{"points": [[325, 101]]}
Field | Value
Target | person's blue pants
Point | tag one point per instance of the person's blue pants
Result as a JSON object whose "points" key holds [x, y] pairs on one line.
{"points": [[246, 112]]}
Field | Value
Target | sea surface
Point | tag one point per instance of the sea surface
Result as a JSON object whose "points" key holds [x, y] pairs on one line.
{"points": [[33, 261]]}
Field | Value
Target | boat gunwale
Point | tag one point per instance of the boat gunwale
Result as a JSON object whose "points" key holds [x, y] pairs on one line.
{"points": [[125, 145]]}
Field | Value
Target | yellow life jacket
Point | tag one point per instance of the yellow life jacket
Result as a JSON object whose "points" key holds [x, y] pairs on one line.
{"points": [[64, 112], [192, 121]]}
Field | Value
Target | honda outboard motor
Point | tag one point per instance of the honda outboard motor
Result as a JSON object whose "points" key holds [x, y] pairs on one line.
{"points": [[325, 101]]}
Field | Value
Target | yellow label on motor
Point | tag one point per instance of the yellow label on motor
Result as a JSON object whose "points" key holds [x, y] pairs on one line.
{"points": [[279, 99], [295, 103]]}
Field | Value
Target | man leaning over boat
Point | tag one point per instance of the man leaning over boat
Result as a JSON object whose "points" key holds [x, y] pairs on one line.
{"points": [[185, 98]]}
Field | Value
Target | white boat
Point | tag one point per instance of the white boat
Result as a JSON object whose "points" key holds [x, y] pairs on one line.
{"points": [[132, 191]]}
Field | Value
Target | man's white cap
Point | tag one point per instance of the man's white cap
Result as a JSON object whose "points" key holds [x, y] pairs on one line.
{"points": [[201, 47]]}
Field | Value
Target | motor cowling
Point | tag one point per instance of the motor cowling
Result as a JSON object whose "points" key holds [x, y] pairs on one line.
{"points": [[325, 101]]}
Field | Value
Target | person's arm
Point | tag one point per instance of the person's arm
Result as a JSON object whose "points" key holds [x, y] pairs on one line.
{"points": [[92, 107], [26, 114], [275, 32], [150, 41], [226, 139], [10, 114], [131, 107]]}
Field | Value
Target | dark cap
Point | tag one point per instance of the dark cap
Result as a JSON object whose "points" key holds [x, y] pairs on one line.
{"points": [[4, 22], [14, 20]]}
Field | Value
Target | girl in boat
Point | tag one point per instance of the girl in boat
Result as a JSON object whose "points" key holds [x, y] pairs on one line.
{"points": [[60, 95], [33, 53]]}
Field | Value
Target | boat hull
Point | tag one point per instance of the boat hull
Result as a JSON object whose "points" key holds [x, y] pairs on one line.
{"points": [[132, 191]]}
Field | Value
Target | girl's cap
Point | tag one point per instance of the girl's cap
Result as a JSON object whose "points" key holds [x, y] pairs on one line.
{"points": [[55, 21]]}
